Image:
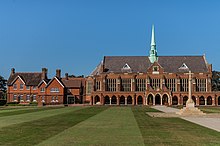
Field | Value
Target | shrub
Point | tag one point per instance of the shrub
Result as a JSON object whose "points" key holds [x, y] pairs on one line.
{"points": [[12, 104], [2, 102]]}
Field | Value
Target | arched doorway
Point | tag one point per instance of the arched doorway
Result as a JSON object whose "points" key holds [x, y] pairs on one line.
{"points": [[185, 98], [209, 100], [129, 100], [107, 100], [174, 100], [157, 99], [97, 99], [201, 100], [219, 100], [122, 100], [114, 100], [194, 99], [150, 99], [139, 100], [165, 99]]}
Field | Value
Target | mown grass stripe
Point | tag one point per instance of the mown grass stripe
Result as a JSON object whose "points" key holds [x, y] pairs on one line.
{"points": [[115, 126], [16, 119], [24, 111], [34, 132], [173, 131]]}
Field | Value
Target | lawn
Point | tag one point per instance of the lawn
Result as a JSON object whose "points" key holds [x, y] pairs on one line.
{"points": [[99, 126], [210, 109]]}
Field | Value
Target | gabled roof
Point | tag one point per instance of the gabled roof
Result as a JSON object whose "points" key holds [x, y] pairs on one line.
{"points": [[45, 81], [73, 82], [30, 79], [55, 78], [171, 64]]}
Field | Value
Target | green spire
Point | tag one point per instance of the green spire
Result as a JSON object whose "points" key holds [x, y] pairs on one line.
{"points": [[153, 51]]}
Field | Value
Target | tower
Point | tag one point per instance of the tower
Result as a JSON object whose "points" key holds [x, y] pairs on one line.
{"points": [[153, 51]]}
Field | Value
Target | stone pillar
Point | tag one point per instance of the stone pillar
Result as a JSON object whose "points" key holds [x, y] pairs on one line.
{"points": [[145, 101], [154, 100], [126, 101], [133, 100], [93, 100], [161, 101], [110, 101], [118, 98], [205, 101]]}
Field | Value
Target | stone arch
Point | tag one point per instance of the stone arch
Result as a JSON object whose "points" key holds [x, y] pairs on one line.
{"points": [[165, 99], [194, 99], [139, 100], [157, 99], [185, 98], [174, 100], [114, 99], [150, 99], [201, 100], [122, 100], [97, 99], [209, 100], [129, 100], [106, 100], [219, 100]]}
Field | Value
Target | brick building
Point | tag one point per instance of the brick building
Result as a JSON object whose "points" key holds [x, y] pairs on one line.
{"points": [[36, 87], [151, 80]]}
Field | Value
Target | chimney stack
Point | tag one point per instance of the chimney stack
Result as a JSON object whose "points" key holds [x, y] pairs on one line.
{"points": [[66, 76], [12, 71], [58, 73], [44, 74]]}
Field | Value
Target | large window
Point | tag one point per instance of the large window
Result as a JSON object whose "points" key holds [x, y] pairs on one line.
{"points": [[111, 85], [171, 84], [14, 97], [54, 90], [140, 84], [28, 98], [200, 85], [21, 86], [155, 83], [125, 84], [15, 86], [34, 98], [42, 89], [28, 87], [98, 85], [89, 87], [184, 85]]}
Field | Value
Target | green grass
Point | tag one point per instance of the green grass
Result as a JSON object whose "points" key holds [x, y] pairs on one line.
{"points": [[16, 119], [173, 131], [210, 109], [34, 132], [25, 110], [101, 125], [114, 126]]}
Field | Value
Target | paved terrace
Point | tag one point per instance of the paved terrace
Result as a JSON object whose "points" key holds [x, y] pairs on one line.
{"points": [[211, 121]]}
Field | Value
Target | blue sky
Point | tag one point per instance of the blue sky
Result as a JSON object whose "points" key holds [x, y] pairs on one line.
{"points": [[74, 35]]}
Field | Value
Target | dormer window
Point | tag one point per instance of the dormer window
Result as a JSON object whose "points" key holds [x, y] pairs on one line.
{"points": [[21, 86], [126, 68], [155, 68], [184, 66]]}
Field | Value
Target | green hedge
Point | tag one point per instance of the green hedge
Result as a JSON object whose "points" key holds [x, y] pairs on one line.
{"points": [[2, 102]]}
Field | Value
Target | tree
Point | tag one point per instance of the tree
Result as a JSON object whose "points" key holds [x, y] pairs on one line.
{"points": [[215, 81], [3, 88]]}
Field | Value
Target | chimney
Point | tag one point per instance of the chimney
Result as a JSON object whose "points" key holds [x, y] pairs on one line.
{"points": [[66, 76], [44, 74], [58, 73], [12, 71]]}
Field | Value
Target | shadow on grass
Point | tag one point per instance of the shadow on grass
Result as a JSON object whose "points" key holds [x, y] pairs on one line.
{"points": [[34, 132], [173, 131]]}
